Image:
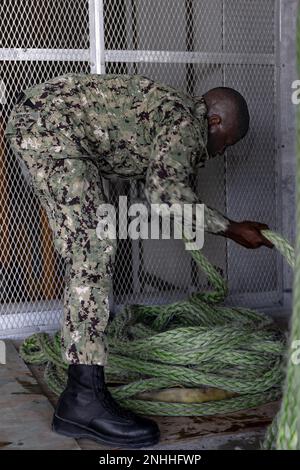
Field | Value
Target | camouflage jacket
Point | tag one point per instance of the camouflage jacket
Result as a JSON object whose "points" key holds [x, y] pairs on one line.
{"points": [[133, 127]]}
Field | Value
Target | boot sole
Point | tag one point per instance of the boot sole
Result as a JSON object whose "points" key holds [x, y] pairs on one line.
{"points": [[77, 431]]}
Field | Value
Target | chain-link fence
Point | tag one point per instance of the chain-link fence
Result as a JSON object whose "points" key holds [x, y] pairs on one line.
{"points": [[192, 45]]}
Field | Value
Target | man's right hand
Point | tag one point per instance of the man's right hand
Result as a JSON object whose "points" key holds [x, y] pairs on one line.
{"points": [[248, 234]]}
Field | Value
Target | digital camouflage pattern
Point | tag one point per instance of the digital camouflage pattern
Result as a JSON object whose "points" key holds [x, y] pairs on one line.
{"points": [[72, 129]]}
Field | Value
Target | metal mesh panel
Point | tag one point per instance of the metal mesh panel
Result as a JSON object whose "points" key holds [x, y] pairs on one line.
{"points": [[196, 45], [38, 40], [251, 183], [193, 45]]}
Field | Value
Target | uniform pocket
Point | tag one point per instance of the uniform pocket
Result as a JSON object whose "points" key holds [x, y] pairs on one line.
{"points": [[21, 121]]}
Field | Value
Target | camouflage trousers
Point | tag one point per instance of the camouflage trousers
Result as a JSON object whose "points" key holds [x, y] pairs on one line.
{"points": [[70, 190]]}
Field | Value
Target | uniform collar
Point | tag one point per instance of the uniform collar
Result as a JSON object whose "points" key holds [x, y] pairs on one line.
{"points": [[200, 112]]}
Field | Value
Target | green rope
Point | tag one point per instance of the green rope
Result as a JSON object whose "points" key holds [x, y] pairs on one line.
{"points": [[188, 344]]}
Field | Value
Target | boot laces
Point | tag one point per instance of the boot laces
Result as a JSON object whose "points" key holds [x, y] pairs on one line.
{"points": [[109, 402], [112, 405]]}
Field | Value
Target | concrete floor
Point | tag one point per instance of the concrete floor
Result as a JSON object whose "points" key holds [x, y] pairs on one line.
{"points": [[26, 406]]}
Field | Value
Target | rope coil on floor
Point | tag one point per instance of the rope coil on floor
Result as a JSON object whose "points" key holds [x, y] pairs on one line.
{"points": [[182, 347]]}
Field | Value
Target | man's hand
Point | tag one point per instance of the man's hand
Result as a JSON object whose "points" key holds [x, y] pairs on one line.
{"points": [[248, 234]]}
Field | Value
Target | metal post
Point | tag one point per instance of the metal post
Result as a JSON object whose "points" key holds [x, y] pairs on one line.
{"points": [[96, 21], [286, 57]]}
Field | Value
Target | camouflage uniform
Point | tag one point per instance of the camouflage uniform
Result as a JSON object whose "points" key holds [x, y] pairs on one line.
{"points": [[70, 130]]}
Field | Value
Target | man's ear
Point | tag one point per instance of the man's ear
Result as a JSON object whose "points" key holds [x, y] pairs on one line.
{"points": [[214, 120]]}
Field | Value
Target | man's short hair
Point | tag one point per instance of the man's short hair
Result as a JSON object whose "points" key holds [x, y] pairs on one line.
{"points": [[240, 105]]}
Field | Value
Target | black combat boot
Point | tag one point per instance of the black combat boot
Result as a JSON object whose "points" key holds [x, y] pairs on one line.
{"points": [[86, 409]]}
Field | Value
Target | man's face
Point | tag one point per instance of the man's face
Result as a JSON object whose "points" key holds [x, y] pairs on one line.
{"points": [[220, 137]]}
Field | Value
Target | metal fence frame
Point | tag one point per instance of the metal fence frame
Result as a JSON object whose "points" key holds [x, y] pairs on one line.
{"points": [[284, 62]]}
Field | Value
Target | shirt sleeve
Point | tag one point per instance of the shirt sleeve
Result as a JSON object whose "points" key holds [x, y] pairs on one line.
{"points": [[175, 151]]}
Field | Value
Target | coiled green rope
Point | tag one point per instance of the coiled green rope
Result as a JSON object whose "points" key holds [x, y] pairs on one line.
{"points": [[191, 343]]}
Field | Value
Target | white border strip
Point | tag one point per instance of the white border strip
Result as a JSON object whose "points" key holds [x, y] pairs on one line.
{"points": [[188, 57], [26, 324], [97, 57], [63, 55]]}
